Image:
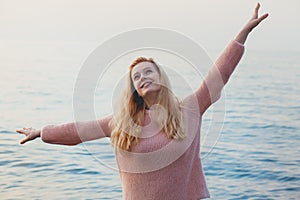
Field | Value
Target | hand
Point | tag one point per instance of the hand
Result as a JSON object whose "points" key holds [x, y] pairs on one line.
{"points": [[255, 20], [30, 134], [252, 23]]}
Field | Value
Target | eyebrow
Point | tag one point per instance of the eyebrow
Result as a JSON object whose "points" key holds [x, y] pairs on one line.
{"points": [[142, 70]]}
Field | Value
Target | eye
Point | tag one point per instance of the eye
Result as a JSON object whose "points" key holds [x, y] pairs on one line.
{"points": [[136, 77], [149, 71]]}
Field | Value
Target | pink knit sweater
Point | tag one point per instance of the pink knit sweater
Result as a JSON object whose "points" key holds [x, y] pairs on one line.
{"points": [[159, 168]]}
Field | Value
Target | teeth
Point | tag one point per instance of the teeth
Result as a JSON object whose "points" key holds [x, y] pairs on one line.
{"points": [[145, 84]]}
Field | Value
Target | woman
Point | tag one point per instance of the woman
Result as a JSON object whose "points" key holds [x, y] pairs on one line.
{"points": [[156, 137]]}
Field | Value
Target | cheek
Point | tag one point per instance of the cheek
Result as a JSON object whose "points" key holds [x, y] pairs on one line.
{"points": [[157, 80], [136, 87], [155, 77]]}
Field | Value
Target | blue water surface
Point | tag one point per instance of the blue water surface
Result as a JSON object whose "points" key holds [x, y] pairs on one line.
{"points": [[256, 155]]}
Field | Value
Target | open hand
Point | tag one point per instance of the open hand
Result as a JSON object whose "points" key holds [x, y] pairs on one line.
{"points": [[30, 134], [255, 20], [251, 24]]}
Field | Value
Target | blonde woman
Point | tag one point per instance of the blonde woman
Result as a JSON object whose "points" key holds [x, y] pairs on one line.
{"points": [[156, 136]]}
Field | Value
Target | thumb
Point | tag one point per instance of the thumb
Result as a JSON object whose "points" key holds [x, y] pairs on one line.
{"points": [[263, 17], [26, 139]]}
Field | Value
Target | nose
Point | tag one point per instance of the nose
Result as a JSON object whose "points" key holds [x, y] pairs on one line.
{"points": [[143, 77]]}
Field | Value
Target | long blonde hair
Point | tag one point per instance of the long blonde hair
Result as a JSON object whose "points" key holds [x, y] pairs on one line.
{"points": [[127, 122]]}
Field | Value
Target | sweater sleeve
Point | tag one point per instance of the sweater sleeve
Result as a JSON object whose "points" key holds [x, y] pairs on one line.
{"points": [[211, 87], [76, 132]]}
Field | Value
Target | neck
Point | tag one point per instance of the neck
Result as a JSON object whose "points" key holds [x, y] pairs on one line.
{"points": [[150, 100]]}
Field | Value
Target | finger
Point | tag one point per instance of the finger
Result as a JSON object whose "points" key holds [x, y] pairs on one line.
{"points": [[24, 132], [19, 131], [25, 140], [263, 17], [255, 13]]}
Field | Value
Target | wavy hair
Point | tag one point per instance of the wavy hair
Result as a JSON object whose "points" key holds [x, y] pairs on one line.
{"points": [[127, 122]]}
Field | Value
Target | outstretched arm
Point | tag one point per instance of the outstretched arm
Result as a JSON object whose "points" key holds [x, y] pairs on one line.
{"points": [[210, 89], [70, 133]]}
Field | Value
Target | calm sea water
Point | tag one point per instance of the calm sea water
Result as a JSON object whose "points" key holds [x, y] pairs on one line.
{"points": [[256, 155]]}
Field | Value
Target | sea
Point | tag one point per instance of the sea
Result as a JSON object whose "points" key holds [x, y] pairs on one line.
{"points": [[253, 154]]}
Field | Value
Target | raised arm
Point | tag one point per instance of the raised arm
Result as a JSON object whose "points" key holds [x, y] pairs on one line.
{"points": [[210, 89], [70, 133]]}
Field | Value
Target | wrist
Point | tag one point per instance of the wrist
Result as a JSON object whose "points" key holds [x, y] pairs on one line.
{"points": [[38, 133], [246, 30], [242, 36]]}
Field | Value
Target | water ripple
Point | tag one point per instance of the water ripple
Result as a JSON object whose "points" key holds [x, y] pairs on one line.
{"points": [[256, 156]]}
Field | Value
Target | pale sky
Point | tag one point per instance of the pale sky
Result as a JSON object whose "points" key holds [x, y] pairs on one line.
{"points": [[212, 23]]}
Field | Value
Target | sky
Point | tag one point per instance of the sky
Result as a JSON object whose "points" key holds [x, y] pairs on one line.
{"points": [[211, 23]]}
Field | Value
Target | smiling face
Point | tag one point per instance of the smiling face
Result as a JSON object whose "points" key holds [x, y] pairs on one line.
{"points": [[146, 79]]}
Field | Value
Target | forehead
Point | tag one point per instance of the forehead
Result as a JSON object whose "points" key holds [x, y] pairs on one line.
{"points": [[141, 66]]}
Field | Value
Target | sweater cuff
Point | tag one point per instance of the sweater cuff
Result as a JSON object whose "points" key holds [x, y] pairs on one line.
{"points": [[238, 43]]}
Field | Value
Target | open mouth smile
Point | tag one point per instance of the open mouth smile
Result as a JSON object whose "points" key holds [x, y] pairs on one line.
{"points": [[146, 84]]}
